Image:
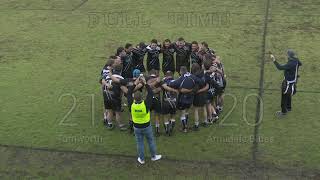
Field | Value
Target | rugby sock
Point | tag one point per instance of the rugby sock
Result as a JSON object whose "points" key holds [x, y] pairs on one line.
{"points": [[166, 127], [157, 127], [109, 123], [186, 121], [172, 122], [196, 123], [183, 121]]}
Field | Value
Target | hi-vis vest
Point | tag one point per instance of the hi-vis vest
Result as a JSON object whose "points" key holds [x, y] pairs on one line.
{"points": [[139, 113]]}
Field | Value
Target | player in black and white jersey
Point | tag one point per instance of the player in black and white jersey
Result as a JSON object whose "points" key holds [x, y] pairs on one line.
{"points": [[114, 95], [127, 61], [209, 73], [105, 83], [195, 57], [169, 103], [154, 81], [182, 50], [168, 63], [221, 83], [138, 56], [153, 51]]}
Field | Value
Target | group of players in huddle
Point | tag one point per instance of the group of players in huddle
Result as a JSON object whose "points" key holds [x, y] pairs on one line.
{"points": [[200, 84]]}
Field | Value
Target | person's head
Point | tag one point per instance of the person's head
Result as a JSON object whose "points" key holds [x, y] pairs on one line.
{"points": [[183, 70], [120, 52], [195, 46], [209, 57], [117, 69], [128, 47], [207, 63], [195, 68], [180, 42], [152, 72], [169, 74], [291, 53], [138, 97], [116, 60], [153, 44], [110, 61], [166, 43], [204, 46], [136, 73], [142, 45]]}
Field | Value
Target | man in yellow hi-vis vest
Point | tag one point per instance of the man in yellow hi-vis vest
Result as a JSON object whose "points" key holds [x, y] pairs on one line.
{"points": [[140, 112]]}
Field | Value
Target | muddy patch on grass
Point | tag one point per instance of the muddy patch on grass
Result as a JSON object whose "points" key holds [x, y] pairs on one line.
{"points": [[75, 164]]}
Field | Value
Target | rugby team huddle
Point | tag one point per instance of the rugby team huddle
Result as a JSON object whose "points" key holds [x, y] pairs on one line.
{"points": [[199, 85]]}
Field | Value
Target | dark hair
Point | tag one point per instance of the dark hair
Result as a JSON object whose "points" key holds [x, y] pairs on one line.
{"points": [[110, 62], [142, 45], [128, 45], [205, 44], [183, 70], [153, 71], [167, 40], [154, 41], [208, 57], [118, 68], [180, 39], [195, 68], [112, 57], [207, 63], [169, 73], [119, 50], [194, 42]]}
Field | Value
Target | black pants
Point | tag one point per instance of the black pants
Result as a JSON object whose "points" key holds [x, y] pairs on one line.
{"points": [[287, 91]]}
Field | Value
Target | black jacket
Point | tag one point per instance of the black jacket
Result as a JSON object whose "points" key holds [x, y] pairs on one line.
{"points": [[290, 69]]}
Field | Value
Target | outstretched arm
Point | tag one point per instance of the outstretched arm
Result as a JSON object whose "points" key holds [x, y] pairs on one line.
{"points": [[279, 66]]}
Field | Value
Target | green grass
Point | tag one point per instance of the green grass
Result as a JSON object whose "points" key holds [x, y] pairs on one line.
{"points": [[49, 54]]}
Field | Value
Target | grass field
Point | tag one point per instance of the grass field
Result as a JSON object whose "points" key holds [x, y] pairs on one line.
{"points": [[51, 54]]}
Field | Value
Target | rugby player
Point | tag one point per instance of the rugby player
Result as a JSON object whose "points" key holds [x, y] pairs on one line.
{"points": [[168, 59], [209, 73], [105, 84], [114, 95], [221, 83], [182, 50], [138, 56], [195, 57], [154, 81], [200, 98], [169, 99], [127, 62], [153, 51], [186, 84]]}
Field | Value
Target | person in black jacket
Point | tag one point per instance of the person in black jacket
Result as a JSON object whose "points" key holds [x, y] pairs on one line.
{"points": [[288, 89]]}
